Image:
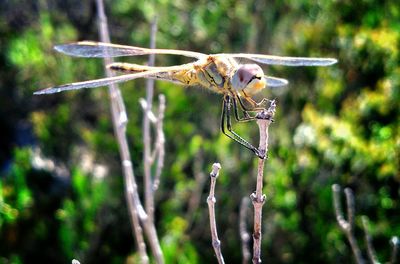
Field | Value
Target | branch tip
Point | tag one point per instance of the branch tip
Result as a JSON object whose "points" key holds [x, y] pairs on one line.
{"points": [[215, 170], [211, 211], [336, 188], [394, 241]]}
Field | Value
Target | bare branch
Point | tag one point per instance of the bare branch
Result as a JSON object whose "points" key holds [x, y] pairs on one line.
{"points": [[148, 222], [368, 241], [347, 226], [395, 243], [216, 243], [151, 234], [344, 225], [350, 206], [244, 234], [258, 198], [148, 162], [159, 148], [119, 119], [148, 112]]}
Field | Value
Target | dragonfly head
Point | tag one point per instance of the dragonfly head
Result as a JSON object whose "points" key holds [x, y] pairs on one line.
{"points": [[249, 78]]}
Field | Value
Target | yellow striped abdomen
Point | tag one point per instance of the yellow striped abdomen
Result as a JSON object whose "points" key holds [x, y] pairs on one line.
{"points": [[183, 74]]}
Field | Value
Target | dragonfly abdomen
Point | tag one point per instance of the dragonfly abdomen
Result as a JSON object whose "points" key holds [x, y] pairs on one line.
{"points": [[176, 74], [128, 67]]}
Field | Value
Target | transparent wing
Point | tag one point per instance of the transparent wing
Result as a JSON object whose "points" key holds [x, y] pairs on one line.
{"points": [[276, 82], [287, 61], [96, 83], [101, 50]]}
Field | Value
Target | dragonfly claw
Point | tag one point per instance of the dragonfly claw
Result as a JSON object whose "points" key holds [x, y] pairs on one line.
{"points": [[261, 153]]}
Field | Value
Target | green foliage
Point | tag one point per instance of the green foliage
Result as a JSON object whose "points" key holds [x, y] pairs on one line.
{"points": [[78, 215], [176, 246], [334, 125], [15, 197]]}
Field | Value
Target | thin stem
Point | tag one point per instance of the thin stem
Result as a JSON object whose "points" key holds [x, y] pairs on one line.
{"points": [[119, 119], [350, 207], [343, 224], [265, 118], [244, 234], [395, 243], [368, 241], [216, 243], [148, 221], [148, 184], [159, 148], [347, 226]]}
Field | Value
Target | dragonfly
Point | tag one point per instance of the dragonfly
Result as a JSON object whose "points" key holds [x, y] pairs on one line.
{"points": [[221, 73]]}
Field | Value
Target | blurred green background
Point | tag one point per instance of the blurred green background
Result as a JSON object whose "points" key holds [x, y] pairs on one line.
{"points": [[61, 190]]}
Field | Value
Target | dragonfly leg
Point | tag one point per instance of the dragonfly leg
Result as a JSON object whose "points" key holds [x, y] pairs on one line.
{"points": [[226, 117], [245, 111], [246, 116], [263, 101], [257, 105]]}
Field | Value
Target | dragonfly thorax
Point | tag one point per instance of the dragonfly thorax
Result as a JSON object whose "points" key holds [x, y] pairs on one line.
{"points": [[249, 78]]}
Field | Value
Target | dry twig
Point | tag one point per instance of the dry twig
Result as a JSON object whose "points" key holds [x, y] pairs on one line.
{"points": [[148, 160], [395, 243], [347, 226], [147, 221], [216, 243], [159, 148], [368, 241], [120, 120], [265, 118], [119, 117]]}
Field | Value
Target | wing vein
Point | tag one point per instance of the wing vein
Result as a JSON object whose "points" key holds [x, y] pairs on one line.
{"points": [[101, 50]]}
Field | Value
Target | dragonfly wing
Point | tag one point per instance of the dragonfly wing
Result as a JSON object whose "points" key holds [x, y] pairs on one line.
{"points": [[287, 61], [95, 83], [101, 50], [276, 82]]}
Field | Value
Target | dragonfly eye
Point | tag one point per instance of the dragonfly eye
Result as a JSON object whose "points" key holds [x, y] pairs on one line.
{"points": [[244, 76], [254, 77]]}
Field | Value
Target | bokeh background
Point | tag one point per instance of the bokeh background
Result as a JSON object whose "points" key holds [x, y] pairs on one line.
{"points": [[61, 189]]}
